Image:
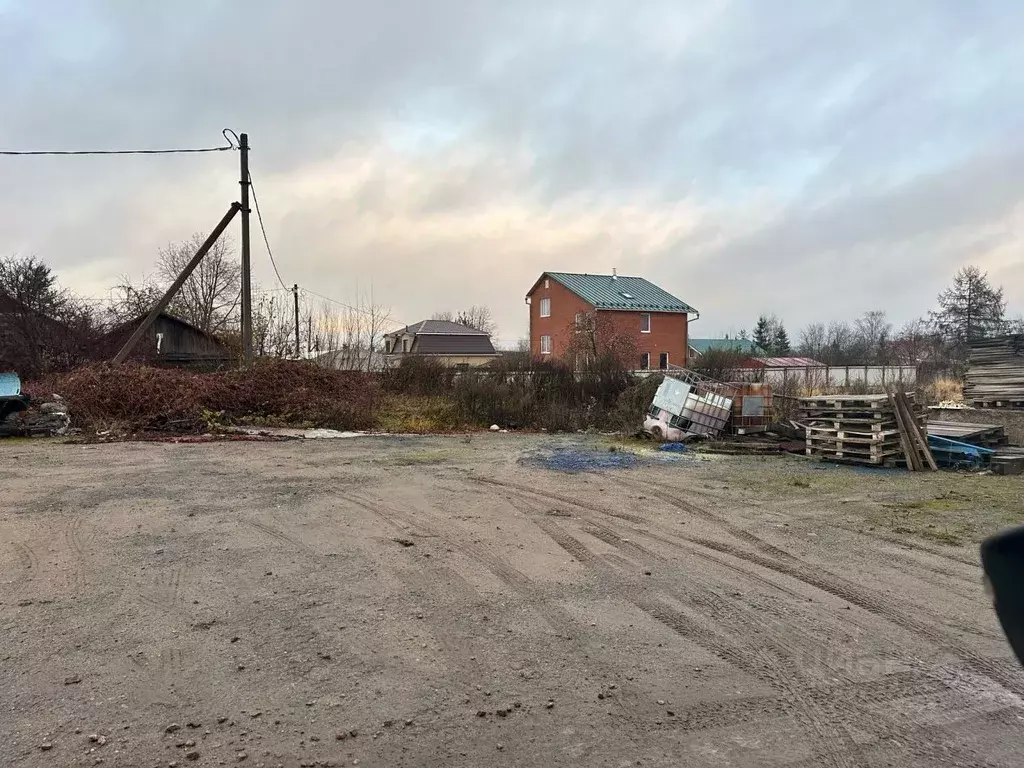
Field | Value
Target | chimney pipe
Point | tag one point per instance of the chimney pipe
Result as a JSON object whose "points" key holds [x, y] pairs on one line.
{"points": [[615, 275]]}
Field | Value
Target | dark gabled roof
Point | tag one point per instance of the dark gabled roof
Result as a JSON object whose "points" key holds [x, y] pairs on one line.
{"points": [[618, 292], [135, 322], [453, 344], [446, 327]]}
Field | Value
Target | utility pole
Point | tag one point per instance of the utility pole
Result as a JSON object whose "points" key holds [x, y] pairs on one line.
{"points": [[243, 146], [295, 291], [161, 305]]}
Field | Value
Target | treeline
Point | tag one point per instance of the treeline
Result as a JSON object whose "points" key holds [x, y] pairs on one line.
{"points": [[45, 327], [970, 308]]}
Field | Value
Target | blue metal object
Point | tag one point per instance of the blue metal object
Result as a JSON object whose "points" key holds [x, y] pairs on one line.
{"points": [[954, 454], [10, 384], [11, 399]]}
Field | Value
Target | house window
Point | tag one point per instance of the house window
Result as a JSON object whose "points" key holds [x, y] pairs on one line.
{"points": [[645, 361], [645, 322], [663, 361], [545, 307], [545, 345], [405, 345], [547, 283]]}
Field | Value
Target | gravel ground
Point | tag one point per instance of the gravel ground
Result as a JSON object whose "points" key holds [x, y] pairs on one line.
{"points": [[456, 602]]}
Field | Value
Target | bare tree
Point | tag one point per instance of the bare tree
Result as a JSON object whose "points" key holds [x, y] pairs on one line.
{"points": [[352, 336], [478, 317], [595, 337], [273, 330], [129, 301], [812, 341], [873, 332], [209, 299]]}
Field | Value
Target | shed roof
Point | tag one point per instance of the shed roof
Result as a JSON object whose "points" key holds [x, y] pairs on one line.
{"points": [[726, 345], [618, 292], [788, 362]]}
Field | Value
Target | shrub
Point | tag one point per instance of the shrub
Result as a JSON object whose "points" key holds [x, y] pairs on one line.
{"points": [[137, 397], [418, 376]]}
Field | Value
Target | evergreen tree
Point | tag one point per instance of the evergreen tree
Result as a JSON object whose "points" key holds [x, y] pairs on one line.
{"points": [[763, 337]]}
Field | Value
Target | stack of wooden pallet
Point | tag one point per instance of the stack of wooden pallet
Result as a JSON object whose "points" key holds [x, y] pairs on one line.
{"points": [[857, 429], [995, 375]]}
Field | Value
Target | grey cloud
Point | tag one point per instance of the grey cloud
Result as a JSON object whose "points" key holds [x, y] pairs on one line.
{"points": [[807, 135]]}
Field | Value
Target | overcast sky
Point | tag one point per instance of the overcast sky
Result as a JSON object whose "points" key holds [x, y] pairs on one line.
{"points": [[812, 158]]}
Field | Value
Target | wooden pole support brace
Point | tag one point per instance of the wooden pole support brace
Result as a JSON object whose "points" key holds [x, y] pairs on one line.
{"points": [[161, 305]]}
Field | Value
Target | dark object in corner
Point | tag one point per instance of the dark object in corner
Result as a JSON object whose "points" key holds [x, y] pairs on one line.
{"points": [[1002, 557]]}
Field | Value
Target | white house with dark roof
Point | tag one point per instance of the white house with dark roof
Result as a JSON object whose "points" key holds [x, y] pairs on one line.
{"points": [[449, 343]]}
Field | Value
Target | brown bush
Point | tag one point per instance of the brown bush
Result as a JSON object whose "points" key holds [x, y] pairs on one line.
{"points": [[135, 397]]}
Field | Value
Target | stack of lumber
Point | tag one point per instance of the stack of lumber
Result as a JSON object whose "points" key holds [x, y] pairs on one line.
{"points": [[995, 373], [983, 435], [863, 429]]}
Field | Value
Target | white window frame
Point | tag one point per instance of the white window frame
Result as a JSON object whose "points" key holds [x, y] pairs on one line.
{"points": [[645, 316], [545, 307], [547, 283], [645, 361], [545, 345], [666, 354]]}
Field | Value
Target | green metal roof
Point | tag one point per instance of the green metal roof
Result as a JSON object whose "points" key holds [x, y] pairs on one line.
{"points": [[620, 292], [730, 345]]}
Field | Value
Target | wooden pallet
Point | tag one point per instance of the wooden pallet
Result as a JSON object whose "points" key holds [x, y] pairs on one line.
{"points": [[1006, 404], [829, 433], [854, 449]]}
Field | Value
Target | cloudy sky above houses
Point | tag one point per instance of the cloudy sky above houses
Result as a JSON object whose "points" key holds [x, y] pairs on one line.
{"points": [[811, 158]]}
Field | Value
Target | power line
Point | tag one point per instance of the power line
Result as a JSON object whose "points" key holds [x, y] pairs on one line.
{"points": [[266, 240], [179, 151]]}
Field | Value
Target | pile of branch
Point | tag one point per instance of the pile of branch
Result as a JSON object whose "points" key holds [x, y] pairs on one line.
{"points": [[133, 398]]}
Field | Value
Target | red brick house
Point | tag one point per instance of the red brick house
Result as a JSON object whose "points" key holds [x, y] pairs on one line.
{"points": [[648, 320]]}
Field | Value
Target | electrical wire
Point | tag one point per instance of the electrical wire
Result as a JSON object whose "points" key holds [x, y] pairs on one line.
{"points": [[266, 240], [181, 151]]}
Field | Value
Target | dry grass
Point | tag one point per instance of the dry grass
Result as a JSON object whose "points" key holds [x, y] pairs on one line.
{"points": [[943, 391]]}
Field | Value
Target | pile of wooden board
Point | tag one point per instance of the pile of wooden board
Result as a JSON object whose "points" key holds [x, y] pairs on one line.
{"points": [[995, 374], [863, 429], [983, 435]]}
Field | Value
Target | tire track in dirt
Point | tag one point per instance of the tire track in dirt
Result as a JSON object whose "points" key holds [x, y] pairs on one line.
{"points": [[278, 535], [929, 743], [776, 669], [874, 603], [557, 619], [162, 588], [773, 663], [666, 536], [862, 597]]}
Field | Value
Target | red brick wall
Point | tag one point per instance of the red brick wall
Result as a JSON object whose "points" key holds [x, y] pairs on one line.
{"points": [[564, 306], [668, 329], [668, 334]]}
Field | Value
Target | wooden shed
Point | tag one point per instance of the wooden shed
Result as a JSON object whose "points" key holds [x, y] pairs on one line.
{"points": [[173, 342]]}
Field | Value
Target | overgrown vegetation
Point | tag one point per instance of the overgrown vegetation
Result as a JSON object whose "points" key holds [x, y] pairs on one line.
{"points": [[132, 398], [519, 394]]}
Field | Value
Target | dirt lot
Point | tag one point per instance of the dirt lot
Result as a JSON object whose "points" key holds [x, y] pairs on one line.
{"points": [[444, 602]]}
